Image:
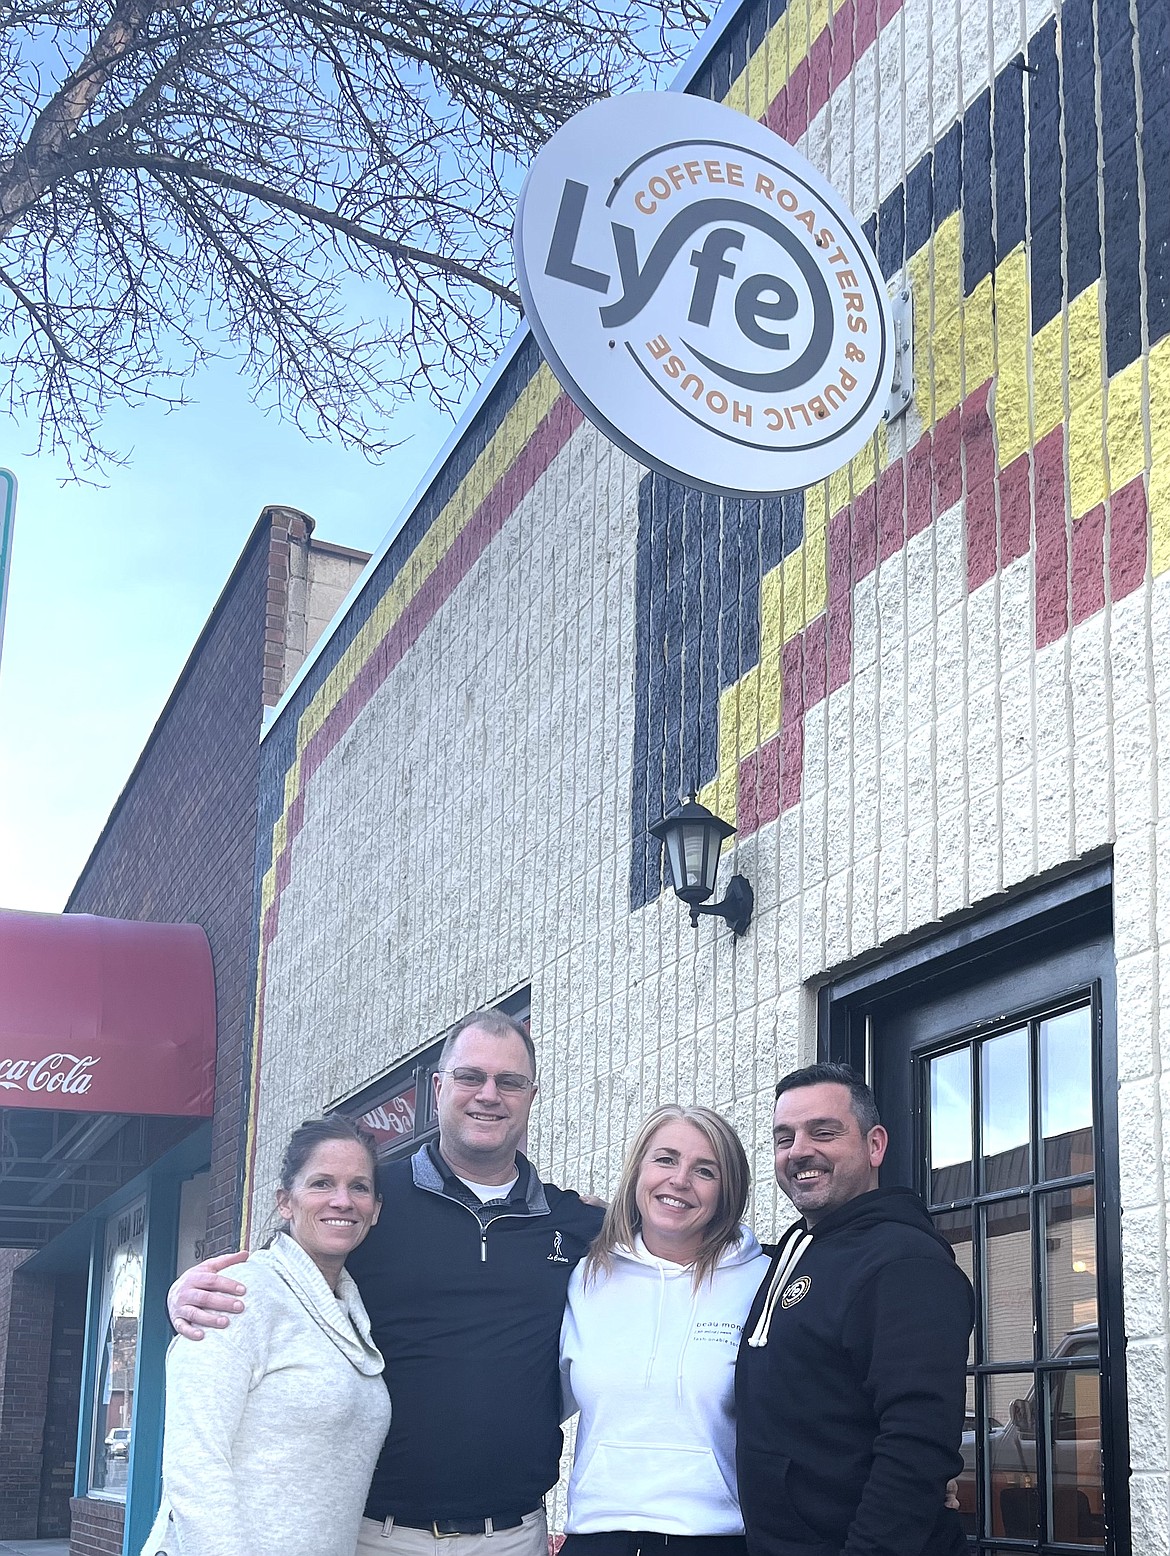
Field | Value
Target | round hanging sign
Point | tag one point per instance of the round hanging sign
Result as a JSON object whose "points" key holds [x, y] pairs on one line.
{"points": [[703, 294]]}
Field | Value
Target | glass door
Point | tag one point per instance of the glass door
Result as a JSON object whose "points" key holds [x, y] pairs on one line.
{"points": [[1007, 1123], [992, 1054]]}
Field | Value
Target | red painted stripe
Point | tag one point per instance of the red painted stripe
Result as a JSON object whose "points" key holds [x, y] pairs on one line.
{"points": [[1088, 564], [831, 56], [1129, 534], [1051, 538], [818, 661]]}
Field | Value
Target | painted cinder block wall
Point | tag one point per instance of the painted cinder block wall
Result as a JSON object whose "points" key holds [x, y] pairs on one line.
{"points": [[932, 678]]}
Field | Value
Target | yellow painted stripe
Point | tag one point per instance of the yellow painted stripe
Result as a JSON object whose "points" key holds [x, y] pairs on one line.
{"points": [[1011, 409], [1158, 491]]}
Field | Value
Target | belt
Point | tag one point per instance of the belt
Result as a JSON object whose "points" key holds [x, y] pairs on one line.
{"points": [[444, 1528]]}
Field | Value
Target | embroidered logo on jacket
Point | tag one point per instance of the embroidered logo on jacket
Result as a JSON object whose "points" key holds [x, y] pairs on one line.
{"points": [[793, 1293], [558, 1254]]}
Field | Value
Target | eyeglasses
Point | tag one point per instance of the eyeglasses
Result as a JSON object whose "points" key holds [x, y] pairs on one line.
{"points": [[471, 1080]]}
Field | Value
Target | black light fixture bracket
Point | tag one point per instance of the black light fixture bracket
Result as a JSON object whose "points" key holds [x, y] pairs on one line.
{"points": [[736, 907]]}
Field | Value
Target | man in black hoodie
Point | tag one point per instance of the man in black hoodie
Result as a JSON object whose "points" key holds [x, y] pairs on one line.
{"points": [[851, 1381]]}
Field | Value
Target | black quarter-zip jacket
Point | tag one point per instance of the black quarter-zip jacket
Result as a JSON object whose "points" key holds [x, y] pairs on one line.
{"points": [[849, 1418], [465, 1304]]}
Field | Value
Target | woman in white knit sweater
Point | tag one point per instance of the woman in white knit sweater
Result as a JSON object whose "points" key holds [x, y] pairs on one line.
{"points": [[648, 1347], [295, 1381]]}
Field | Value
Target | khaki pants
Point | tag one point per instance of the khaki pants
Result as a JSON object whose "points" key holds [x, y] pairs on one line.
{"points": [[531, 1539]]}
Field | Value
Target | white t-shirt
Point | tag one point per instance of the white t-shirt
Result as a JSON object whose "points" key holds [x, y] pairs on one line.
{"points": [[489, 1191]]}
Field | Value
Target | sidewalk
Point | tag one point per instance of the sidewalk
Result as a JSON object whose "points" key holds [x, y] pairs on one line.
{"points": [[34, 1548]]}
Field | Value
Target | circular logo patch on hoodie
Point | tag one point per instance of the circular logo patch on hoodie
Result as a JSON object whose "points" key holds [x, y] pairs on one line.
{"points": [[793, 1293]]}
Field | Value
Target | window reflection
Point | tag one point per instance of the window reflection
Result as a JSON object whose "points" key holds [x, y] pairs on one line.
{"points": [[1070, 1256], [1076, 1509], [950, 1126], [1066, 1094], [1008, 1254], [1006, 1094], [113, 1421]]}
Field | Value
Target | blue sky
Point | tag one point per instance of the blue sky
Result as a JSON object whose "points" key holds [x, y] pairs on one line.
{"points": [[110, 587]]}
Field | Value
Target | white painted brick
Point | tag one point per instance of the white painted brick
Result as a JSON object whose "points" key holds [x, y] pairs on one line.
{"points": [[891, 903], [951, 766], [1145, 1365], [1053, 811], [1018, 829], [1129, 654], [919, 583], [891, 602], [1015, 712], [865, 623], [1143, 1261], [982, 737], [950, 667], [921, 877], [950, 559], [1133, 892], [1017, 629], [952, 861], [1093, 798], [1140, 1167], [1052, 712], [863, 903], [1087, 678], [1133, 757], [1149, 1510], [983, 842], [944, 64]]}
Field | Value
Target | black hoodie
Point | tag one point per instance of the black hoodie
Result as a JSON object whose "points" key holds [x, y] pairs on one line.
{"points": [[849, 1406]]}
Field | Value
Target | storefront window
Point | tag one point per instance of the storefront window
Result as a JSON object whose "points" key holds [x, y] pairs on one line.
{"points": [[121, 1311]]}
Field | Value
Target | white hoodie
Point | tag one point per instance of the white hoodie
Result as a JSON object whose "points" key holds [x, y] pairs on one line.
{"points": [[650, 1363]]}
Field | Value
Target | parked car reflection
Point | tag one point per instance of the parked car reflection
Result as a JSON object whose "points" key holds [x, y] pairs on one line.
{"points": [[1071, 1428]]}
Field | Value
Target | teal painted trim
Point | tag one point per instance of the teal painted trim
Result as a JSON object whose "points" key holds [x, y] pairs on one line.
{"points": [[90, 1348], [7, 523], [160, 1252]]}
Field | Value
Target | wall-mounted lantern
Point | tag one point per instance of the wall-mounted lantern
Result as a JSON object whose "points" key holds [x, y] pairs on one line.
{"points": [[693, 838]]}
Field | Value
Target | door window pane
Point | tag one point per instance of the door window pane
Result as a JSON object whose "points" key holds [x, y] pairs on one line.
{"points": [[1008, 1269], [950, 1127], [1066, 1094], [1012, 1506], [1076, 1509], [113, 1420], [1006, 1130], [1069, 1242]]}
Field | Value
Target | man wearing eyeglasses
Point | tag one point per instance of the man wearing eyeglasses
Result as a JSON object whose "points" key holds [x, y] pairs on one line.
{"points": [[464, 1278]]}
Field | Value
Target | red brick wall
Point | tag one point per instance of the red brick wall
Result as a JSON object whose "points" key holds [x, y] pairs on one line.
{"points": [[59, 1451], [97, 1527], [22, 1407], [179, 845]]}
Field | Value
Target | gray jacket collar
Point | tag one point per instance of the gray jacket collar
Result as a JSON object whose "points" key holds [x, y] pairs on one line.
{"points": [[431, 1172]]}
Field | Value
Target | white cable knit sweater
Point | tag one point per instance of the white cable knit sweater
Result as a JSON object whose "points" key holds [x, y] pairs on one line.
{"points": [[273, 1425]]}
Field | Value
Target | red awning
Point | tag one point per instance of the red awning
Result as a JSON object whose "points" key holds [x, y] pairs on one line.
{"points": [[102, 1015]]}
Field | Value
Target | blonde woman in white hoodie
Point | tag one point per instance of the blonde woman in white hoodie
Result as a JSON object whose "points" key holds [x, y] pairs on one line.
{"points": [[649, 1342]]}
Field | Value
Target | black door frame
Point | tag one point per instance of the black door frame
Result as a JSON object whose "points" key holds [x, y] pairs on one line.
{"points": [[1014, 931]]}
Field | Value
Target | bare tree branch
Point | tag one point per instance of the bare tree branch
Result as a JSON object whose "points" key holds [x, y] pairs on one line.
{"points": [[322, 189]]}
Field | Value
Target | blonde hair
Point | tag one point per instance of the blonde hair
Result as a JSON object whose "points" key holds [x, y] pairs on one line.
{"points": [[623, 1220]]}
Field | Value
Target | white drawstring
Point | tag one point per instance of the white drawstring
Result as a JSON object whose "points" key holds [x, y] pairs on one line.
{"points": [[792, 1247], [657, 1324], [683, 1348]]}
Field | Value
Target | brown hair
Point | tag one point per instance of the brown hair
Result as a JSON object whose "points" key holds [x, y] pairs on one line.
{"points": [[305, 1139], [623, 1220]]}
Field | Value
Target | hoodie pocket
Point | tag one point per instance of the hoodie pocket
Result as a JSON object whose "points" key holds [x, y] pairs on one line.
{"points": [[770, 1491], [656, 1481]]}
